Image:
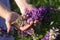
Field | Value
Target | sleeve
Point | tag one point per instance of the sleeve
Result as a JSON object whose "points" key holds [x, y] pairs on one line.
{"points": [[6, 3]]}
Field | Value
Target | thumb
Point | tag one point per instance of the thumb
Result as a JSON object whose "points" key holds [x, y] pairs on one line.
{"points": [[8, 26]]}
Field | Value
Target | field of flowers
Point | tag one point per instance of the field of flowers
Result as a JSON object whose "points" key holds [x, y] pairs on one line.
{"points": [[49, 27]]}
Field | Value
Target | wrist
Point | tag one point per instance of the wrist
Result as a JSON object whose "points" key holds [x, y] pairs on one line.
{"points": [[4, 12], [7, 15], [22, 3]]}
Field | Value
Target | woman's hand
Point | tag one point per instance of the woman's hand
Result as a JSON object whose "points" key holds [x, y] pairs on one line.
{"points": [[23, 5], [9, 19], [25, 27], [8, 15], [12, 17]]}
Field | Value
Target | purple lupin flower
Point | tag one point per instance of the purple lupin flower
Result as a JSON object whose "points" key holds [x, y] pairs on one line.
{"points": [[37, 13], [57, 35], [29, 20], [46, 37]]}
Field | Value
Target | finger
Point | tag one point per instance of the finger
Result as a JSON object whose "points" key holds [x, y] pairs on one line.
{"points": [[25, 27], [36, 21], [8, 26], [31, 22], [22, 28]]}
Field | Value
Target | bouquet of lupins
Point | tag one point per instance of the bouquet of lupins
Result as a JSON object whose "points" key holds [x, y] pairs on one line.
{"points": [[35, 14]]}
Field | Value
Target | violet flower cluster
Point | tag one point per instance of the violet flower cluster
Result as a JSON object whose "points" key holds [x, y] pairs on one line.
{"points": [[31, 15], [36, 14], [53, 34], [46, 37]]}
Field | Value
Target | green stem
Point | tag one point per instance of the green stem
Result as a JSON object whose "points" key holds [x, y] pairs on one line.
{"points": [[34, 37]]}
